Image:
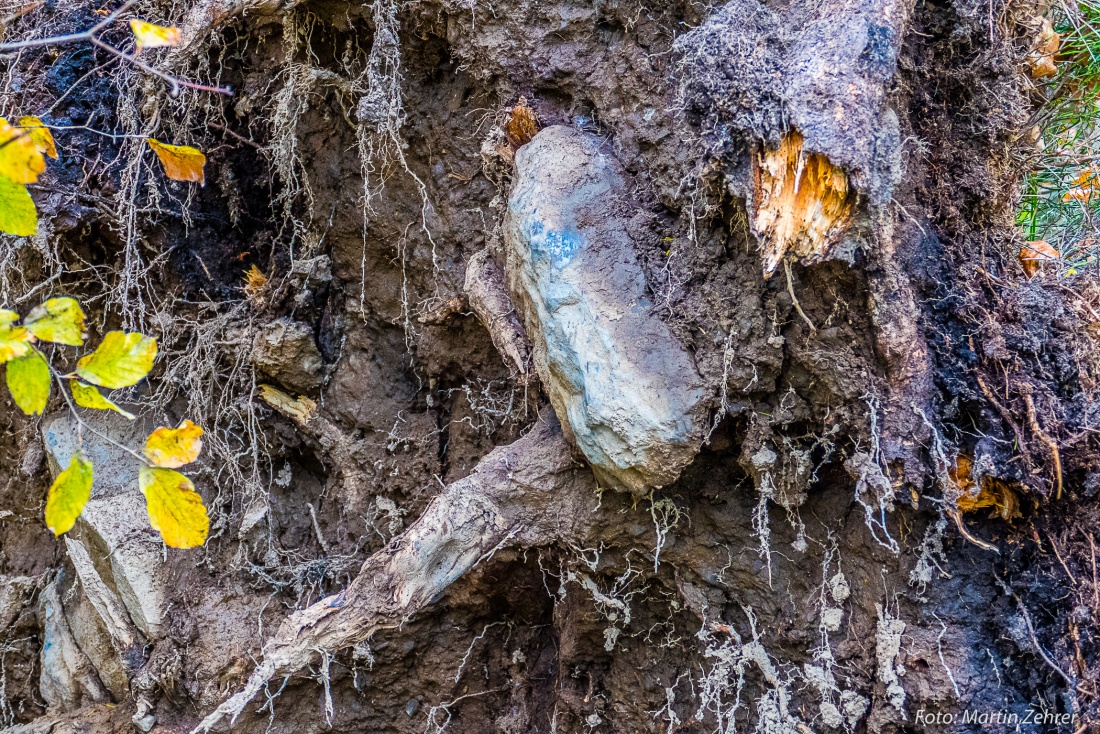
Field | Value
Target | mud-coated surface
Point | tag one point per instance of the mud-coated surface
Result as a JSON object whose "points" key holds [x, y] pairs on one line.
{"points": [[802, 574]]}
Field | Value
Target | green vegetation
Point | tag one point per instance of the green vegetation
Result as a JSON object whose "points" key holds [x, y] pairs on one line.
{"points": [[1061, 200]]}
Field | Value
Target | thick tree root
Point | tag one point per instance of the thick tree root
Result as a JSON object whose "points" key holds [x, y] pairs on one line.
{"points": [[528, 493]]}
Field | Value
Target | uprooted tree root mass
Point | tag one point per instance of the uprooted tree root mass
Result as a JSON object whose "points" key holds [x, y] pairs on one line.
{"points": [[567, 366]]}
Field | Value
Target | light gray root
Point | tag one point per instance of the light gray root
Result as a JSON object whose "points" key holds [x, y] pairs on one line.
{"points": [[488, 296], [526, 494]]}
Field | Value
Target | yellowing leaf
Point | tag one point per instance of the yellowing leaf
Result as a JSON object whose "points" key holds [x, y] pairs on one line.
{"points": [[14, 342], [17, 212], [8, 317], [40, 135], [1041, 65], [181, 162], [19, 158], [29, 382], [1034, 253], [175, 508], [1087, 176], [1048, 41], [994, 493], [58, 320], [521, 125], [174, 447], [151, 35], [87, 396], [120, 361], [68, 494]]}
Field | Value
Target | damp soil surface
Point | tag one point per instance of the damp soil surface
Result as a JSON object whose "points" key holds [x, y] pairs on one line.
{"points": [[365, 156]]}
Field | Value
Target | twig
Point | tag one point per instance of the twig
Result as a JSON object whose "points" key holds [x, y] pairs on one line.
{"points": [[956, 515], [112, 136], [317, 528], [71, 37], [1031, 629], [1095, 588], [1084, 304], [1005, 415], [1064, 566], [85, 424], [794, 298], [238, 136], [174, 82], [29, 7], [1050, 442]]}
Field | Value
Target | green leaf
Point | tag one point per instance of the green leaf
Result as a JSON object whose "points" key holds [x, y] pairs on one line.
{"points": [[58, 320], [87, 396], [120, 361], [175, 508], [20, 159], [68, 494], [17, 212], [29, 381]]}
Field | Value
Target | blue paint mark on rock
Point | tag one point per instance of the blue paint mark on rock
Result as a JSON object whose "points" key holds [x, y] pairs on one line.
{"points": [[554, 248]]}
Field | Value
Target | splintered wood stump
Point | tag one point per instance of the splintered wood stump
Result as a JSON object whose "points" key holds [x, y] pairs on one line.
{"points": [[803, 203]]}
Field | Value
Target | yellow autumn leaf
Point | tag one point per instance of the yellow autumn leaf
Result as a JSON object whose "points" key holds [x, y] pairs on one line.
{"points": [[151, 35], [58, 320], [68, 494], [15, 341], [120, 361], [1081, 193], [175, 508], [29, 381], [17, 213], [40, 135], [181, 162], [20, 160], [8, 317], [88, 396], [1048, 41], [174, 447], [1086, 176]]}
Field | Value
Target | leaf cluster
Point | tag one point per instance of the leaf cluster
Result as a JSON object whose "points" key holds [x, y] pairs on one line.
{"points": [[121, 360]]}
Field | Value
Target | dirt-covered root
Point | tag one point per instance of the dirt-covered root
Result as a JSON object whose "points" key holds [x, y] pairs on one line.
{"points": [[207, 15], [529, 493], [488, 296]]}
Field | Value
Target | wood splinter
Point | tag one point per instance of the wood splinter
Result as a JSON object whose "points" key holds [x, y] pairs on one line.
{"points": [[802, 203]]}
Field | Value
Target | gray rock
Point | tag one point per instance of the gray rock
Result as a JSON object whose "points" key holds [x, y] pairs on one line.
{"points": [[68, 679], [286, 351], [88, 631], [627, 392], [312, 272], [144, 723]]}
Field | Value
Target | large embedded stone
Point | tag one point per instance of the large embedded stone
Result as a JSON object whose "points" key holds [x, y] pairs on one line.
{"points": [[627, 392]]}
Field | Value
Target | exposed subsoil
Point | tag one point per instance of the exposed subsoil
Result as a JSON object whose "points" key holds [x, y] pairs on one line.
{"points": [[412, 380]]}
